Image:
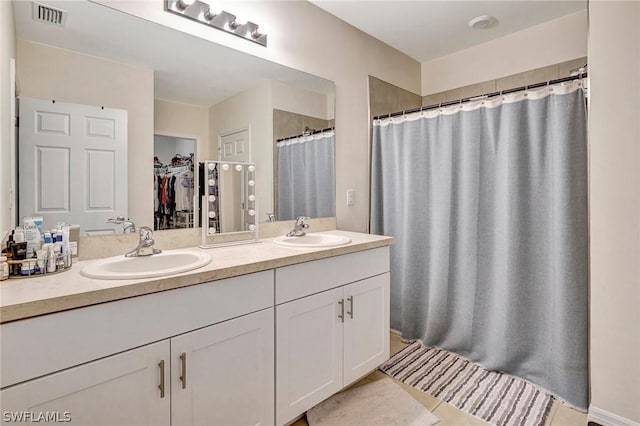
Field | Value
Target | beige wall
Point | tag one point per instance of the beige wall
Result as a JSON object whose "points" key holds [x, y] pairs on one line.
{"points": [[250, 109], [292, 98], [182, 120], [330, 49], [549, 43], [385, 98], [7, 52], [614, 133], [538, 75], [77, 78]]}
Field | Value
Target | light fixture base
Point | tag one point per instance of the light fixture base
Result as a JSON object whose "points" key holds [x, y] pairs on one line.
{"points": [[224, 21]]}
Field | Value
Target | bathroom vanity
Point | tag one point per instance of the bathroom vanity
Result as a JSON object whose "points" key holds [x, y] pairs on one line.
{"points": [[258, 336]]}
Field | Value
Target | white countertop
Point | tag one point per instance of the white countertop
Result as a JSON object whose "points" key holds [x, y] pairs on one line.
{"points": [[24, 298]]}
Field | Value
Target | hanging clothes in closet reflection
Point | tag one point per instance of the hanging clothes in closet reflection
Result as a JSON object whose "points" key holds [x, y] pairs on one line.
{"points": [[173, 193]]}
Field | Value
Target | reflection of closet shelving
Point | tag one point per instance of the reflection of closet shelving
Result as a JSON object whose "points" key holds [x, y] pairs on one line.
{"points": [[184, 219]]}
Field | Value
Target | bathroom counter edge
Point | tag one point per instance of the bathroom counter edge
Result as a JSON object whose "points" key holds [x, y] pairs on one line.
{"points": [[21, 299]]}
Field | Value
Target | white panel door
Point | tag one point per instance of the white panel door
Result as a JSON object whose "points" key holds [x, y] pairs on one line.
{"points": [[235, 146], [73, 164], [308, 352], [122, 389], [223, 374], [366, 326]]}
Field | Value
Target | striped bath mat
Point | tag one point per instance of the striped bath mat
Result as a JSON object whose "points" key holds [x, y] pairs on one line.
{"points": [[496, 398]]}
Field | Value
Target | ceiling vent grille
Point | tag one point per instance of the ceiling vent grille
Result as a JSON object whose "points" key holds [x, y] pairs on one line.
{"points": [[51, 15]]}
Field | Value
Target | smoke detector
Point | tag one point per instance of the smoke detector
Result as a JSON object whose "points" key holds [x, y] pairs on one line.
{"points": [[48, 14], [483, 22]]}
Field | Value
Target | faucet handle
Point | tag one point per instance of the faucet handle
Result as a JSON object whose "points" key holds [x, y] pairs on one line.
{"points": [[300, 220], [146, 233]]}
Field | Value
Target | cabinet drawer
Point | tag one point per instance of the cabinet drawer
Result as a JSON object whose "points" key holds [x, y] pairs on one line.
{"points": [[42, 345], [296, 281]]}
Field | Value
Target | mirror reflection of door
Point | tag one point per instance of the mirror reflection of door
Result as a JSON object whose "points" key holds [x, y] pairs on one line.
{"points": [[174, 198], [235, 146], [73, 164]]}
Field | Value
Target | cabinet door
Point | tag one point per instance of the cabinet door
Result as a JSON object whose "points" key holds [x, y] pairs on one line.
{"points": [[366, 326], [121, 389], [308, 353], [223, 374]]}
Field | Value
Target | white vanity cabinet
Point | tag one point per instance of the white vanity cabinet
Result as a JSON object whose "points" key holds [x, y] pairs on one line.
{"points": [[122, 389], [223, 374], [332, 327], [82, 362], [255, 349]]}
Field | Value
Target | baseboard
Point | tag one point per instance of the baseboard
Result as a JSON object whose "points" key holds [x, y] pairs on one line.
{"points": [[605, 418]]}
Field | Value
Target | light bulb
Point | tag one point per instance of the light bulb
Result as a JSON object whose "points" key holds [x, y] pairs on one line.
{"points": [[183, 4], [212, 214], [252, 227], [211, 166], [225, 167], [238, 167], [252, 183], [212, 231], [252, 197], [252, 212], [251, 168], [212, 198], [212, 182]]}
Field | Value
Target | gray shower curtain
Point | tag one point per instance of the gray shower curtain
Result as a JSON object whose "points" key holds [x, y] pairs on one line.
{"points": [[306, 177], [489, 209]]}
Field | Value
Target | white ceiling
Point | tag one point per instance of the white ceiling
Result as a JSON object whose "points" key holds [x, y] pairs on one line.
{"points": [[427, 29], [187, 69]]}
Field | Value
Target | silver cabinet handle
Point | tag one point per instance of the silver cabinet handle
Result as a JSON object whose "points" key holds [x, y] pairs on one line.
{"points": [[350, 311], [183, 377], [161, 385], [341, 316]]}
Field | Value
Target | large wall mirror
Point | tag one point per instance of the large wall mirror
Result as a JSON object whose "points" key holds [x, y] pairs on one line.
{"points": [[174, 92]]}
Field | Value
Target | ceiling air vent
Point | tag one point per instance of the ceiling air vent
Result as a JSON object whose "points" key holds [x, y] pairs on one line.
{"points": [[51, 15]]}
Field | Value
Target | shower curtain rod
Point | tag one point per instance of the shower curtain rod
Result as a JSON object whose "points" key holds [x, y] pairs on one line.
{"points": [[486, 95], [314, 132]]}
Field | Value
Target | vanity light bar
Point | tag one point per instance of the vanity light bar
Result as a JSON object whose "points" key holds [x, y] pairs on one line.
{"points": [[201, 12]]}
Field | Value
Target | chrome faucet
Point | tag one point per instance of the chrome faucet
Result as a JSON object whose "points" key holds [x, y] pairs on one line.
{"points": [[145, 244], [127, 225], [299, 228]]}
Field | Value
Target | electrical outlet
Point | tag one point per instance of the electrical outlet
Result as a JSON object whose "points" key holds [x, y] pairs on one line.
{"points": [[351, 194]]}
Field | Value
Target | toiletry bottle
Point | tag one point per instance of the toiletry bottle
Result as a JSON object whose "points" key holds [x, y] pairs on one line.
{"points": [[51, 259], [4, 268], [18, 236], [59, 261], [48, 244]]}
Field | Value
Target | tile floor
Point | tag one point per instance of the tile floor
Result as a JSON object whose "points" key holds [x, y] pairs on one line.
{"points": [[449, 415]]}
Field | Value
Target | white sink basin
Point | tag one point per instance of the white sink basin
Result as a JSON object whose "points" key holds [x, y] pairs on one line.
{"points": [[313, 240], [157, 265]]}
